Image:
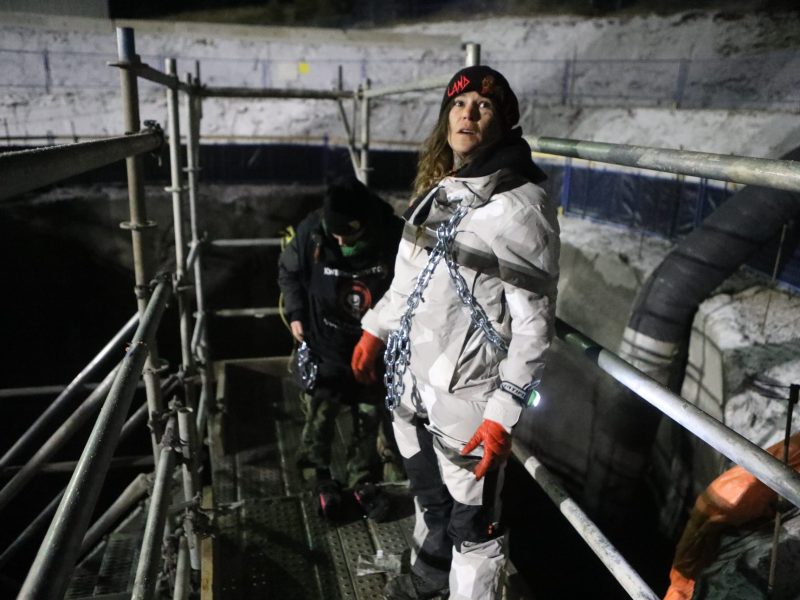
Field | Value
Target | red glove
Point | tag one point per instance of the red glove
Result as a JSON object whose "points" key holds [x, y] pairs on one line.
{"points": [[365, 355], [496, 446]]}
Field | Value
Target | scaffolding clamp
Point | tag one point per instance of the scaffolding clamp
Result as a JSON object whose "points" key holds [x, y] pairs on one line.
{"points": [[138, 226]]}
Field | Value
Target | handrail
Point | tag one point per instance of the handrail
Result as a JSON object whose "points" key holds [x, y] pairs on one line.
{"points": [[147, 72], [245, 242], [49, 415], [778, 476], [272, 93], [414, 86], [28, 170], [627, 577], [258, 312], [49, 574], [56, 441], [774, 173], [132, 424]]}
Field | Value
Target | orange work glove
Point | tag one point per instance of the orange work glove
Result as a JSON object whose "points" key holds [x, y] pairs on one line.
{"points": [[496, 446], [365, 355]]}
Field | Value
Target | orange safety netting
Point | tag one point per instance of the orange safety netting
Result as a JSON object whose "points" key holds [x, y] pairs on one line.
{"points": [[734, 498]]}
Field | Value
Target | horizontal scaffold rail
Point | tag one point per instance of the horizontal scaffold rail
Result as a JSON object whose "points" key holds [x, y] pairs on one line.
{"points": [[147, 72], [247, 242], [272, 93], [768, 469], [414, 86], [773, 173], [258, 312], [28, 170], [48, 576], [627, 577]]}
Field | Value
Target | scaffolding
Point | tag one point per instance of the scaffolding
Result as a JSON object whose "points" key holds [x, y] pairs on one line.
{"points": [[175, 426]]}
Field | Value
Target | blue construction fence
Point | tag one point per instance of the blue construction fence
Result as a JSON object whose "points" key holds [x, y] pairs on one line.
{"points": [[662, 205]]}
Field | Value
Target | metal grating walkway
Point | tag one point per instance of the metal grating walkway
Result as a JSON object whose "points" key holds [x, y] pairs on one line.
{"points": [[271, 542]]}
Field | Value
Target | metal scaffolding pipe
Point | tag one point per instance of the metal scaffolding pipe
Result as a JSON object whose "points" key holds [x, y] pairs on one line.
{"points": [[270, 93], [144, 585], [28, 170], [768, 469], [44, 390], [627, 577], [130, 496], [139, 224], [60, 437], [181, 290], [351, 146], [202, 410], [68, 466], [194, 250], [267, 311], [473, 54], [43, 519], [415, 86], [779, 174], [363, 163], [182, 571], [54, 409], [49, 574], [190, 469], [197, 334], [32, 530], [145, 71], [200, 349], [244, 242]]}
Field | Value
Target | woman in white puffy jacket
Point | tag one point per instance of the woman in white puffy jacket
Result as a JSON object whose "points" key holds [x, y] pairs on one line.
{"points": [[468, 319]]}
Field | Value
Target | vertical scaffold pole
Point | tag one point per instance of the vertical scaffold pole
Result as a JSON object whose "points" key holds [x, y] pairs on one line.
{"points": [[139, 223], [364, 164], [473, 52], [194, 114], [176, 189], [187, 430]]}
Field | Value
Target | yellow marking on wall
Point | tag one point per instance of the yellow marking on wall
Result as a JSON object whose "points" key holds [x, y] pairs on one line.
{"points": [[303, 68]]}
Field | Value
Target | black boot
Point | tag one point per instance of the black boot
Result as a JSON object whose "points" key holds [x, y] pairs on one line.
{"points": [[413, 587], [373, 501], [329, 496]]}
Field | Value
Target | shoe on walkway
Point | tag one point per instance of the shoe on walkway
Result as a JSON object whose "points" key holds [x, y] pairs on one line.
{"points": [[329, 496], [375, 504], [413, 587]]}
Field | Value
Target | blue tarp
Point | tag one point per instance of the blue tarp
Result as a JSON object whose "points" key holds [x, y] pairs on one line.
{"points": [[667, 207]]}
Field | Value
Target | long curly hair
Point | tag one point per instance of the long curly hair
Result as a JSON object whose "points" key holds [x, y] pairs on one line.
{"points": [[435, 156]]}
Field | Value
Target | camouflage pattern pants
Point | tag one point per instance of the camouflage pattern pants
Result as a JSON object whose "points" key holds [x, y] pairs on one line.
{"points": [[369, 449]]}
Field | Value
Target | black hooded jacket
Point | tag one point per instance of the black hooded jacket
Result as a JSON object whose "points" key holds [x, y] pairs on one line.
{"points": [[329, 292]]}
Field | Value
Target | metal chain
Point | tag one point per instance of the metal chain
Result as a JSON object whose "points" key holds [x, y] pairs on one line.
{"points": [[398, 347], [306, 367], [476, 312]]}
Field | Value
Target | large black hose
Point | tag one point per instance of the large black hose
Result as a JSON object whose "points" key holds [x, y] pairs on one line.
{"points": [[665, 307]]}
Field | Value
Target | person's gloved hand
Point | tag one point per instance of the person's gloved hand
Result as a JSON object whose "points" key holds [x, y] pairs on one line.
{"points": [[496, 446], [365, 355]]}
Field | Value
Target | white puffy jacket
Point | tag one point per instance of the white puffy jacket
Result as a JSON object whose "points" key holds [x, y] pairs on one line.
{"points": [[507, 248]]}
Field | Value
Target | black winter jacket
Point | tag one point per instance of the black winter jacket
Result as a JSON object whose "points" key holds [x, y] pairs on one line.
{"points": [[329, 292]]}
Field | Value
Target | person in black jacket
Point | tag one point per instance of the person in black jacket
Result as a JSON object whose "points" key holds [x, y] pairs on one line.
{"points": [[337, 266]]}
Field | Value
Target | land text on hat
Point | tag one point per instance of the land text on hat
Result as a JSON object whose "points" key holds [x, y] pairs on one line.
{"points": [[489, 83]]}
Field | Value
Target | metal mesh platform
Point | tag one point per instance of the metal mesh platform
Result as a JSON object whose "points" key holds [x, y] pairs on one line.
{"points": [[271, 541]]}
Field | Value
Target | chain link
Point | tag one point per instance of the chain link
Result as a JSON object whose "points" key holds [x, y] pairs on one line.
{"points": [[398, 347], [306, 367]]}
